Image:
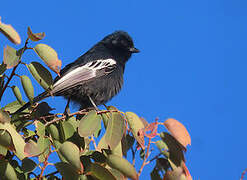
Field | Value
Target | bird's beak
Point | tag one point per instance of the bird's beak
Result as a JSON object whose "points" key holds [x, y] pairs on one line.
{"points": [[134, 50]]}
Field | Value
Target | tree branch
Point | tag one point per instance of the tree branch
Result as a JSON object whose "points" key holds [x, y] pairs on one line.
{"points": [[82, 112], [146, 157]]}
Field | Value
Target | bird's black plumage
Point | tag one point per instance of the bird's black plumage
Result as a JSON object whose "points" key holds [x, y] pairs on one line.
{"points": [[97, 74]]}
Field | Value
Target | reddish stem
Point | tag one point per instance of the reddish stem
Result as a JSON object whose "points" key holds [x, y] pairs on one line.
{"points": [[146, 157], [243, 173]]}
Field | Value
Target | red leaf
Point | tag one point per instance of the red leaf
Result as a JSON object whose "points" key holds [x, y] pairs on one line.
{"points": [[31, 149], [178, 131], [153, 128]]}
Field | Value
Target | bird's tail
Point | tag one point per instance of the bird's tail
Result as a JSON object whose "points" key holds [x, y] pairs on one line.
{"points": [[36, 99]]}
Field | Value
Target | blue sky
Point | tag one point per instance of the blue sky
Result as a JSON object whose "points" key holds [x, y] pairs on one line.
{"points": [[192, 65]]}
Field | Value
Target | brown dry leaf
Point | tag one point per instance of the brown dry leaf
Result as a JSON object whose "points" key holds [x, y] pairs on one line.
{"points": [[178, 131], [35, 36], [10, 33]]}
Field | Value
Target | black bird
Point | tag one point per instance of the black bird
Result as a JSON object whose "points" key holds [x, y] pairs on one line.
{"points": [[96, 76]]}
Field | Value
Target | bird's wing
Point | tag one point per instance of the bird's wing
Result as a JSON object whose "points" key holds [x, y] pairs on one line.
{"points": [[81, 74]]}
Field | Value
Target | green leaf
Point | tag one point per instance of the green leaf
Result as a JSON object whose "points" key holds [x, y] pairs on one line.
{"points": [[67, 130], [117, 174], [40, 128], [53, 131], [2, 68], [57, 145], [28, 133], [10, 33], [35, 36], [44, 145], [67, 171], [97, 132], [162, 147], [41, 74], [49, 56], [105, 117], [122, 165], [1, 83], [17, 94], [10, 57], [127, 143], [16, 139], [72, 120], [175, 149], [7, 172], [136, 126], [101, 172], [4, 117], [3, 151], [118, 150], [89, 124], [28, 87], [71, 153], [28, 165], [6, 140], [102, 144], [115, 130], [13, 106]]}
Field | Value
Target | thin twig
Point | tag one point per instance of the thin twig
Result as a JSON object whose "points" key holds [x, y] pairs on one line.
{"points": [[46, 163], [51, 174], [146, 157], [243, 173], [133, 155], [94, 143], [82, 112], [154, 158]]}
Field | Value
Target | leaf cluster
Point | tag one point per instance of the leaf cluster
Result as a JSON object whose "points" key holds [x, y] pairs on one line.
{"points": [[89, 144]]}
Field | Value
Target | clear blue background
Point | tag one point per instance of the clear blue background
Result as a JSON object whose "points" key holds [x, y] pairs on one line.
{"points": [[192, 65]]}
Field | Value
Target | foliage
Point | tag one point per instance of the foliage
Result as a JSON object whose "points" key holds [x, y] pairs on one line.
{"points": [[86, 149]]}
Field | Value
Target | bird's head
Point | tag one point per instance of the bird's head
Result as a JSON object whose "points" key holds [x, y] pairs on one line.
{"points": [[121, 44]]}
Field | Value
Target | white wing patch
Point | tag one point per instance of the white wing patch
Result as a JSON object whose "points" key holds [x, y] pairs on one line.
{"points": [[82, 73], [100, 64]]}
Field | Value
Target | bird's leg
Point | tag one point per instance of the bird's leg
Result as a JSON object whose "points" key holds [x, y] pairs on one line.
{"points": [[94, 105], [67, 110]]}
